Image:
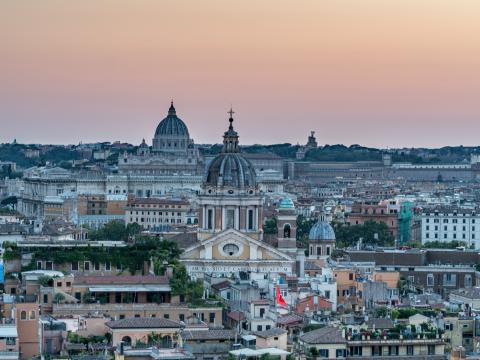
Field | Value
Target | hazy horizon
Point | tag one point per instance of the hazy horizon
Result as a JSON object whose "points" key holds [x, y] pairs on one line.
{"points": [[375, 73]]}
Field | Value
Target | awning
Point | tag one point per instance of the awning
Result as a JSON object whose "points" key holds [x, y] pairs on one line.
{"points": [[8, 331]]}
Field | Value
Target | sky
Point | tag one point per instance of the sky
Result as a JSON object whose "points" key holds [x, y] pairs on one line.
{"points": [[380, 73]]}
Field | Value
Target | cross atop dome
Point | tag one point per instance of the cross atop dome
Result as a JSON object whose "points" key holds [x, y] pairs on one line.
{"points": [[171, 110], [230, 137]]}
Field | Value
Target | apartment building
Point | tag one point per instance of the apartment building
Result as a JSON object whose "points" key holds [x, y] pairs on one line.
{"points": [[155, 213], [384, 211], [446, 224]]}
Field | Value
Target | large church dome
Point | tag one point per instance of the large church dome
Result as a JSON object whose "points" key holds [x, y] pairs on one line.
{"points": [[171, 133], [172, 125], [230, 169]]}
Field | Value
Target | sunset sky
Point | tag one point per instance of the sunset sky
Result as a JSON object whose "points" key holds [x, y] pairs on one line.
{"points": [[386, 73]]}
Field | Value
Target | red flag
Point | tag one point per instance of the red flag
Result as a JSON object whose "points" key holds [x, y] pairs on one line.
{"points": [[279, 298]]}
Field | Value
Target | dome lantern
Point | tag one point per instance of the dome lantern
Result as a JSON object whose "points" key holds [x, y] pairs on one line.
{"points": [[230, 169]]}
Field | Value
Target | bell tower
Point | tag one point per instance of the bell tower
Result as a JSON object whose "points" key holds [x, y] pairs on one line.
{"points": [[287, 226]]}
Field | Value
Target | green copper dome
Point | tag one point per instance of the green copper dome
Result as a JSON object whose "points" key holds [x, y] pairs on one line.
{"points": [[286, 203]]}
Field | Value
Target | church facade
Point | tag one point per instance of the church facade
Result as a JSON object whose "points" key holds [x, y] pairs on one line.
{"points": [[230, 236]]}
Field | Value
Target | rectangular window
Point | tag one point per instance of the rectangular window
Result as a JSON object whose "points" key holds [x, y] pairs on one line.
{"points": [[449, 279], [96, 266], [86, 266], [356, 350], [212, 317], [250, 220], [323, 353], [75, 266], [393, 350], [181, 317], [431, 349], [210, 219], [430, 280], [340, 353], [230, 219], [107, 266], [48, 265], [409, 349]]}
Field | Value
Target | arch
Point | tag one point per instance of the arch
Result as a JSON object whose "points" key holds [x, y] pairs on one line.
{"points": [[23, 315], [127, 340], [167, 342], [287, 230], [32, 315]]}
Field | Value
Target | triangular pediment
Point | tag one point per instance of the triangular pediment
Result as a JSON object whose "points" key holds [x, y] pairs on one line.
{"points": [[234, 245]]}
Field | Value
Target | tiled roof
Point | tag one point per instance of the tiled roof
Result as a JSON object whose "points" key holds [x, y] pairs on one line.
{"points": [[236, 315], [185, 240], [211, 334], [120, 280], [143, 323], [221, 285], [326, 335], [289, 319]]}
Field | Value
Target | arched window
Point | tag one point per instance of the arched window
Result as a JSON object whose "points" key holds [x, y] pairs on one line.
{"points": [[32, 315], [23, 315], [166, 342], [286, 230], [127, 340]]}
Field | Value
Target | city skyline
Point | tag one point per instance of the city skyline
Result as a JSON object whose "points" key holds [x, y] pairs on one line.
{"points": [[375, 74]]}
